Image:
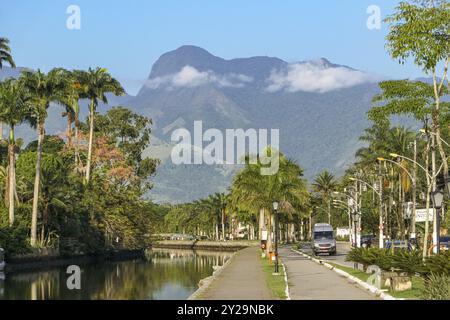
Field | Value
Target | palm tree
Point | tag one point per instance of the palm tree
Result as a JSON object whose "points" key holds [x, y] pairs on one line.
{"points": [[42, 89], [68, 96], [5, 53], [13, 111], [219, 201], [325, 183], [95, 84], [254, 192], [5, 56]]}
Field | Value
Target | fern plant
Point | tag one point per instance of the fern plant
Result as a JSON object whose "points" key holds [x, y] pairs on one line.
{"points": [[437, 287]]}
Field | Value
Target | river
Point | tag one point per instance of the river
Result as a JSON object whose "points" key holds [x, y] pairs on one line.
{"points": [[163, 275]]}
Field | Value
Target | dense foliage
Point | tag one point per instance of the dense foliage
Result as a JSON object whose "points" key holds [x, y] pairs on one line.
{"points": [[81, 192]]}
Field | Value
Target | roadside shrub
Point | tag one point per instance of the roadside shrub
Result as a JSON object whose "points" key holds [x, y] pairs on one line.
{"points": [[439, 264], [410, 262], [437, 287], [371, 256]]}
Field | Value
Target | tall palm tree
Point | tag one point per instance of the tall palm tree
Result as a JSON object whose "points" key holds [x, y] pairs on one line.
{"points": [[5, 56], [219, 201], [5, 53], [325, 183], [43, 90], [68, 96], [254, 192], [95, 84], [14, 106]]}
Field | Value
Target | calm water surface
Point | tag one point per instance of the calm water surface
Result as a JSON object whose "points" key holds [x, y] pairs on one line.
{"points": [[164, 275]]}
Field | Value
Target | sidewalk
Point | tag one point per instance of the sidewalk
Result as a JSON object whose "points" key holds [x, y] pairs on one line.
{"points": [[242, 279], [310, 281]]}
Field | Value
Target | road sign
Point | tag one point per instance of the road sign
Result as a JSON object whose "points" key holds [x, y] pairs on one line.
{"points": [[264, 235], [421, 215]]}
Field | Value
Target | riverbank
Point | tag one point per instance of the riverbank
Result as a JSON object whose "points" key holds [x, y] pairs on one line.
{"points": [[50, 259], [38, 261], [205, 245]]}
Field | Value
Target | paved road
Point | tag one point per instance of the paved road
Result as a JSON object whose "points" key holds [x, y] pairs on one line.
{"points": [[311, 281], [339, 258], [242, 279]]}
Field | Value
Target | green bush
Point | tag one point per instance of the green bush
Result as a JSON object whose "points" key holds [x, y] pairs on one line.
{"points": [[437, 287], [371, 256], [14, 240], [410, 262], [439, 264]]}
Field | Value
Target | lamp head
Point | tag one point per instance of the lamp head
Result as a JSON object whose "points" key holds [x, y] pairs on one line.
{"points": [[438, 198], [275, 205]]}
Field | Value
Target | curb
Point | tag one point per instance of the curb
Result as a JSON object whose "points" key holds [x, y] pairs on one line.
{"points": [[372, 289], [205, 283], [288, 295]]}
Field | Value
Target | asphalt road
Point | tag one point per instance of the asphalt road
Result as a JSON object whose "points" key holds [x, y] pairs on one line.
{"points": [[342, 249]]}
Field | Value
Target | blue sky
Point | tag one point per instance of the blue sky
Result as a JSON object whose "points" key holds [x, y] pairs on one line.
{"points": [[127, 37]]}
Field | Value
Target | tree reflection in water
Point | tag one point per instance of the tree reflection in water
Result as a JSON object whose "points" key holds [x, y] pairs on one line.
{"points": [[165, 274]]}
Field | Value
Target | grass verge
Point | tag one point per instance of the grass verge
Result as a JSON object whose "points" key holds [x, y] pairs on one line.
{"points": [[276, 284]]}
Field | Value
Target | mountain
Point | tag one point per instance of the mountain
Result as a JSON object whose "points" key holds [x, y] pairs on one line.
{"points": [[318, 106]]}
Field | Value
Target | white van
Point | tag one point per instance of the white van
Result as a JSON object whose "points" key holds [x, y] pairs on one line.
{"points": [[323, 240]]}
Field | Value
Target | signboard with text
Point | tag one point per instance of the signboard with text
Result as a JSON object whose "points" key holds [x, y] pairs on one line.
{"points": [[421, 215]]}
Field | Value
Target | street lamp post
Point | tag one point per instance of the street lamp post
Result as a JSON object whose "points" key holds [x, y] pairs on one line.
{"points": [[350, 201], [380, 197], [275, 209], [413, 179], [437, 197]]}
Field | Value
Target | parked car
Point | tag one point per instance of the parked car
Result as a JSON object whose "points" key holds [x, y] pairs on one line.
{"points": [[367, 241], [445, 243], [323, 240]]}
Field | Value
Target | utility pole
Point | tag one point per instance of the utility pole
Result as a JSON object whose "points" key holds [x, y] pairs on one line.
{"points": [[381, 226], [413, 218], [358, 221], [433, 168]]}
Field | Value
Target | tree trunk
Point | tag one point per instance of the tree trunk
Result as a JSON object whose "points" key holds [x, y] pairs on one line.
{"points": [[223, 224], [11, 175], [1, 130], [41, 135], [217, 232], [69, 129], [77, 142], [91, 139], [429, 186], [262, 223], [329, 211], [436, 115]]}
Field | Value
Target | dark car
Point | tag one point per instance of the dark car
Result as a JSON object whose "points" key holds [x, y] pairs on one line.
{"points": [[445, 243], [367, 241]]}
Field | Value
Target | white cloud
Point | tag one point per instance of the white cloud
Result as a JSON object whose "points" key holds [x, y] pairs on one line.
{"points": [[313, 77], [191, 77]]}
